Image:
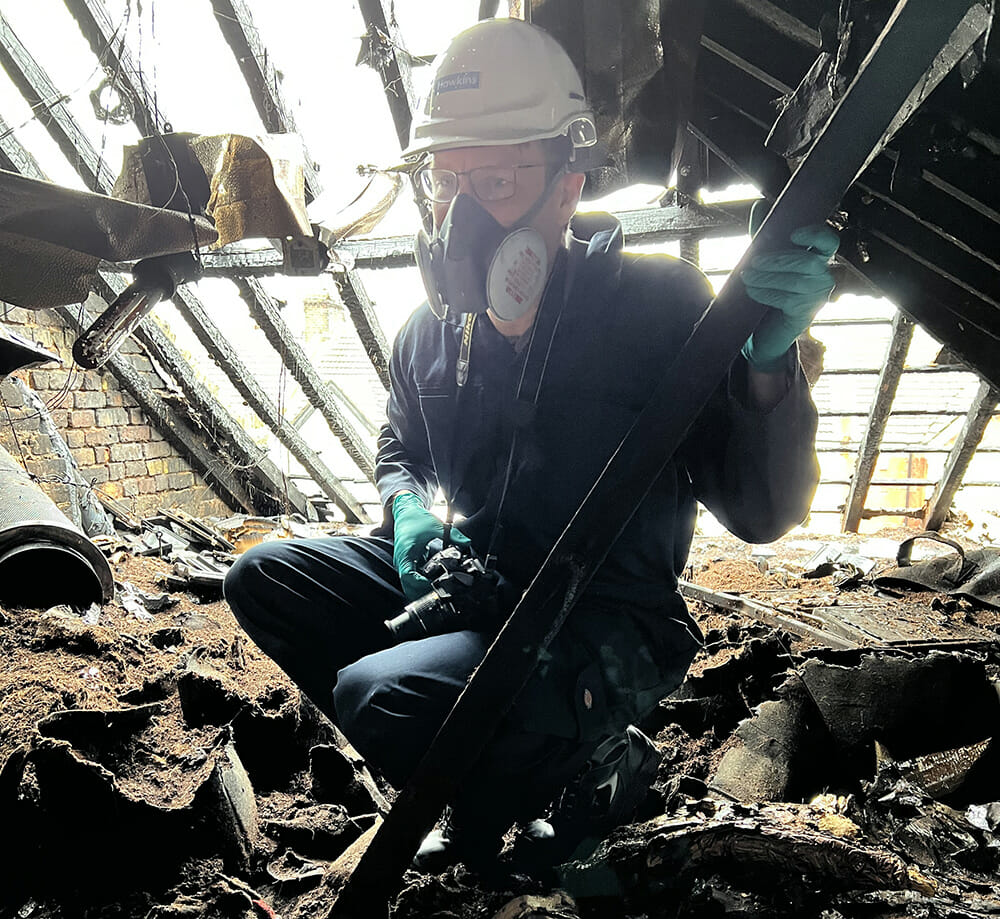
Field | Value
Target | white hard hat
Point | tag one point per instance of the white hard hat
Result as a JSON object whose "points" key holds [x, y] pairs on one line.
{"points": [[502, 81]]}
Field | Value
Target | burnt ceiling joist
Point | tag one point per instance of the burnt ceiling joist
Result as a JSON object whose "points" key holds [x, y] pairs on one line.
{"points": [[383, 50], [931, 224], [982, 410], [265, 312], [641, 226]]}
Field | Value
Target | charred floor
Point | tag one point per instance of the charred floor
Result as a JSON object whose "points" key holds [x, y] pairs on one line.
{"points": [[156, 764], [184, 374]]}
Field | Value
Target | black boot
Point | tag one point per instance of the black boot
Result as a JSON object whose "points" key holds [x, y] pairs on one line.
{"points": [[606, 794], [473, 838]]}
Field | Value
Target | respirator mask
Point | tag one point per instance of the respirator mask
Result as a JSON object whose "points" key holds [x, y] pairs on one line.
{"points": [[474, 263]]}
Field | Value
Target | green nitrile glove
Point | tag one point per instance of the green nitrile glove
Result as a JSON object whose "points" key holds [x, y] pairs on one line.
{"points": [[414, 527], [795, 283]]}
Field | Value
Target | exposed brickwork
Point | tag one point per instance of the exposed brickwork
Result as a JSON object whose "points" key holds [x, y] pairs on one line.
{"points": [[114, 443]]}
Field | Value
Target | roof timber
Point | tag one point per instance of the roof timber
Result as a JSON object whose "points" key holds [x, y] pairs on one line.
{"points": [[108, 46], [264, 310], [388, 55], [265, 488], [642, 226], [49, 105], [243, 37], [245, 382], [979, 416], [888, 383], [362, 313], [236, 24], [270, 491], [66, 131]]}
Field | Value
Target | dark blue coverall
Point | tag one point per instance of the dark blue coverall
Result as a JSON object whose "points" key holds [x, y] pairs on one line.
{"points": [[317, 606]]}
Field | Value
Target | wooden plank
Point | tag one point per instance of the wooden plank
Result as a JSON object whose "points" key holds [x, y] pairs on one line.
{"points": [[914, 35], [245, 382], [642, 226], [264, 310], [761, 611], [979, 417], [781, 21], [878, 416], [387, 55], [362, 312]]}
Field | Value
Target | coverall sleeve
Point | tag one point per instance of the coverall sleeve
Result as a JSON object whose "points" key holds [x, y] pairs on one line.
{"points": [[403, 461], [756, 471]]}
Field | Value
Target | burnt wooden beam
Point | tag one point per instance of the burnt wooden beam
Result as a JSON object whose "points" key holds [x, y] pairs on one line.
{"points": [[245, 382], [362, 313], [270, 490], [265, 490], [108, 46], [888, 383], [912, 39], [173, 426], [763, 613], [640, 225], [979, 417], [386, 53], [264, 310], [191, 308], [781, 21], [14, 157], [237, 27], [50, 107]]}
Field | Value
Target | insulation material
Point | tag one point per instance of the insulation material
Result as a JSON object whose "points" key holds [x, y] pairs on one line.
{"points": [[257, 183], [52, 238], [259, 189]]}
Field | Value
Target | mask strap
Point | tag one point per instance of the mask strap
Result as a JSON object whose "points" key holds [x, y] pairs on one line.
{"points": [[464, 351]]}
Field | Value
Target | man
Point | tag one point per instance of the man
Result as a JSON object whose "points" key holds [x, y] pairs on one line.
{"points": [[511, 388]]}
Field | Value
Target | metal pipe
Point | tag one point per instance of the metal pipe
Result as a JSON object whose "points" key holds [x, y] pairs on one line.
{"points": [[44, 559]]}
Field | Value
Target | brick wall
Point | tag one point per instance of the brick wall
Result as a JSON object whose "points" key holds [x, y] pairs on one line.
{"points": [[109, 436]]}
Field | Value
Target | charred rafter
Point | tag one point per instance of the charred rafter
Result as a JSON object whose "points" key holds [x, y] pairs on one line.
{"points": [[385, 52], [50, 107], [264, 311], [980, 415], [888, 383], [191, 308], [236, 24]]}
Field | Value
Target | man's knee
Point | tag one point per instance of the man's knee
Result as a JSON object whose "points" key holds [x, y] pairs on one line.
{"points": [[245, 581]]}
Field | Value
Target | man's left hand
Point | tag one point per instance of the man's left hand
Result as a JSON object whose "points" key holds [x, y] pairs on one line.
{"points": [[795, 282]]}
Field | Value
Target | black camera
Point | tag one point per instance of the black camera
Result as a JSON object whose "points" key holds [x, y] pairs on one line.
{"points": [[465, 594]]}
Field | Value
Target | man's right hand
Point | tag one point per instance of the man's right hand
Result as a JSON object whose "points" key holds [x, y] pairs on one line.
{"points": [[414, 527]]}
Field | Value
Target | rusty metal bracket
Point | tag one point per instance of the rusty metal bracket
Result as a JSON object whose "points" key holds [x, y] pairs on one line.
{"points": [[911, 41]]}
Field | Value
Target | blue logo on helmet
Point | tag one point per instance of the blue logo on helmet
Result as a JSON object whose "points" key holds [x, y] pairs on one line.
{"points": [[468, 79]]}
